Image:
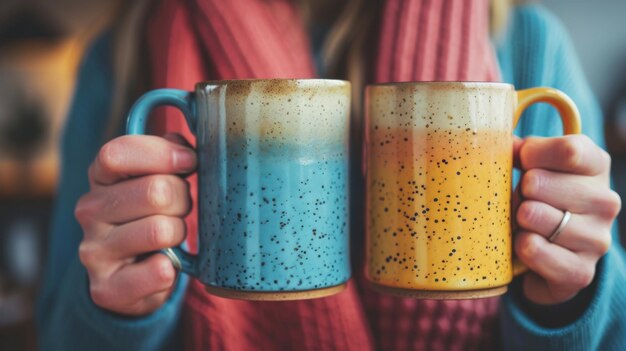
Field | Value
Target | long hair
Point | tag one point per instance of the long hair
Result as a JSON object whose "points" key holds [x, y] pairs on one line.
{"points": [[343, 53]]}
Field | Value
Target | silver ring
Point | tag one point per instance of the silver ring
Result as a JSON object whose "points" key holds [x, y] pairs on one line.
{"points": [[566, 217], [172, 256]]}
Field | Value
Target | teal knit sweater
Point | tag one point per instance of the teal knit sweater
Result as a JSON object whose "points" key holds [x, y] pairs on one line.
{"points": [[534, 51]]}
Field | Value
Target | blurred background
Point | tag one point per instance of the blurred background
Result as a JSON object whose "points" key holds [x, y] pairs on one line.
{"points": [[41, 44]]}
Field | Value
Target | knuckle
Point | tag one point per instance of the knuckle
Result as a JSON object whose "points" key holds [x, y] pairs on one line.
{"points": [[529, 214], [87, 254], [160, 233], [169, 158], [100, 294], [583, 277], [532, 183], [606, 204], [533, 249], [164, 271], [84, 212], [612, 204], [159, 192], [525, 247], [108, 157], [572, 150], [602, 243]]}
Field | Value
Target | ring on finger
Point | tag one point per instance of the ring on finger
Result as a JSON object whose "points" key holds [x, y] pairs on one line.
{"points": [[172, 256], [567, 215]]}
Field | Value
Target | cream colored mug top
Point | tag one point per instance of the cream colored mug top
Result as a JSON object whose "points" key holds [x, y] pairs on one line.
{"points": [[442, 105], [299, 111]]}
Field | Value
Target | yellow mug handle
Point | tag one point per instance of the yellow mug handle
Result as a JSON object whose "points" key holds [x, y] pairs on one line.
{"points": [[569, 116]]}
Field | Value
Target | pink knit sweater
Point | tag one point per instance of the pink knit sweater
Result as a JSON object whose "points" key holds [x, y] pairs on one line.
{"points": [[195, 40]]}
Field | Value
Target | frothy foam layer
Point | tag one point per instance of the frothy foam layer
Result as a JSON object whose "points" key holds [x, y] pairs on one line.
{"points": [[442, 106], [278, 111]]}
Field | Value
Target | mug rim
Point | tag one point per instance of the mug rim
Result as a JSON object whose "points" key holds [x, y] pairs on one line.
{"points": [[307, 81], [464, 84]]}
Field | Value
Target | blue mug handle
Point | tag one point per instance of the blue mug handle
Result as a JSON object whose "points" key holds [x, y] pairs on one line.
{"points": [[136, 124]]}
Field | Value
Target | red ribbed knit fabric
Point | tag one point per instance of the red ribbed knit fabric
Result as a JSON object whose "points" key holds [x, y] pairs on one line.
{"points": [[191, 41]]}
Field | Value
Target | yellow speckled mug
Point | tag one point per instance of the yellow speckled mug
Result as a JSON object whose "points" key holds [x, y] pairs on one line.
{"points": [[438, 164]]}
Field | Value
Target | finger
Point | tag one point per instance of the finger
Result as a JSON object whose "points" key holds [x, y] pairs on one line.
{"points": [[137, 198], [517, 145], [180, 140], [537, 290], [581, 233], [92, 255], [575, 193], [570, 154], [557, 265], [86, 214], [145, 235], [153, 302], [136, 155], [516, 200], [142, 307], [137, 281]]}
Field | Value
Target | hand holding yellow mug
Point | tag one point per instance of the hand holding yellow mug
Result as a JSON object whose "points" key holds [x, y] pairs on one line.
{"points": [[439, 159]]}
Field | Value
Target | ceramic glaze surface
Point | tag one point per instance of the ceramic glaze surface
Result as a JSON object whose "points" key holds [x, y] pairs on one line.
{"points": [[439, 159], [273, 185]]}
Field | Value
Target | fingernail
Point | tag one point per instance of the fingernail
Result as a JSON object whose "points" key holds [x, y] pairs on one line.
{"points": [[184, 160]]}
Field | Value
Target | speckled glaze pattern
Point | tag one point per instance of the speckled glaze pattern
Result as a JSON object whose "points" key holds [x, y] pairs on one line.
{"points": [[273, 184], [438, 169]]}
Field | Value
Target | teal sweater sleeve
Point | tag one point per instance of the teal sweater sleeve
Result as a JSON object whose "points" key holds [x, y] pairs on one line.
{"points": [[67, 319], [536, 51]]}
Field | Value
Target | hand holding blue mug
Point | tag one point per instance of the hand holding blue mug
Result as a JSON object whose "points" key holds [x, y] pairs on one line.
{"points": [[135, 206], [273, 168]]}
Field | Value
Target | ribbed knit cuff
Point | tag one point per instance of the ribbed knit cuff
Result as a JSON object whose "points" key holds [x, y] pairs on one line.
{"points": [[587, 332], [553, 316], [78, 324]]}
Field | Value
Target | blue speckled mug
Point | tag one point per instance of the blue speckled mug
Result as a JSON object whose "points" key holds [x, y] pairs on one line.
{"points": [[273, 185]]}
